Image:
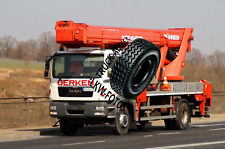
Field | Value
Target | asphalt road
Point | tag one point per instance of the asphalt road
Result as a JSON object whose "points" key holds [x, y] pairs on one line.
{"points": [[198, 136]]}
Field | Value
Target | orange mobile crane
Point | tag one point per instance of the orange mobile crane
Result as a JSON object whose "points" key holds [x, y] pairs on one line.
{"points": [[80, 96]]}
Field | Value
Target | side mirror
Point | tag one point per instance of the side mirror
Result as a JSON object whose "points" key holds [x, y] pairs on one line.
{"points": [[46, 74], [47, 64]]}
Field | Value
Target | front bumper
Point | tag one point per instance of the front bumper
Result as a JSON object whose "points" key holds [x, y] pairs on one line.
{"points": [[79, 110]]}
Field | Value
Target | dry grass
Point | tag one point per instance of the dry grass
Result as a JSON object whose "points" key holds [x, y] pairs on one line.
{"points": [[21, 79]]}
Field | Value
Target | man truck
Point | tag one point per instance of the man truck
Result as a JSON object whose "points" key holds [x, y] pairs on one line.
{"points": [[80, 92]]}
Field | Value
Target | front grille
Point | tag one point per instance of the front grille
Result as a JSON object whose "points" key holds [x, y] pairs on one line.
{"points": [[73, 92], [75, 111]]}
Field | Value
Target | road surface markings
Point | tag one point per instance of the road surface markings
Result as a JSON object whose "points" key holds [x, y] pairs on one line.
{"points": [[188, 145], [148, 136], [79, 143], [217, 129], [208, 125], [170, 133], [161, 134]]}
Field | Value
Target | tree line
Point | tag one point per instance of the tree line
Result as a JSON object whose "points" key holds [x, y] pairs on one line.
{"points": [[209, 67], [30, 50]]}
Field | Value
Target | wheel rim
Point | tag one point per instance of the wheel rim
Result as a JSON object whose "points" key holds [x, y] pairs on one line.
{"points": [[123, 119], [184, 117]]}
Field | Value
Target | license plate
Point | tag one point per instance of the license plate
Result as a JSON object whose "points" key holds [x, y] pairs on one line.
{"points": [[87, 89]]}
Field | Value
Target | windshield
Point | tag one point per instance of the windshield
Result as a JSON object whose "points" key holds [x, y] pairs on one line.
{"points": [[76, 65]]}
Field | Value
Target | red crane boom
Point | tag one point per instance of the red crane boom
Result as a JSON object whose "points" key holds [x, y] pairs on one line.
{"points": [[76, 35]]}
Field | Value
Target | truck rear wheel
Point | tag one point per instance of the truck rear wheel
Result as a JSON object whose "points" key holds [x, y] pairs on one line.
{"points": [[66, 128], [169, 123], [183, 115], [135, 68], [121, 122]]}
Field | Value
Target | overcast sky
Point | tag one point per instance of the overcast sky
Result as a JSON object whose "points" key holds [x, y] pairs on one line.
{"points": [[27, 19]]}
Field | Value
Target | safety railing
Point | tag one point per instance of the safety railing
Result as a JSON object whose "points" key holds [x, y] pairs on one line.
{"points": [[26, 111], [34, 111]]}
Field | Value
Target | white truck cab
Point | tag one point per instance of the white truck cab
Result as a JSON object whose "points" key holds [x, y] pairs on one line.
{"points": [[75, 97], [72, 72]]}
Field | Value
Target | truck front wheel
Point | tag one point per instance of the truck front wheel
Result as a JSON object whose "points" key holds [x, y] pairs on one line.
{"points": [[67, 128], [121, 122]]}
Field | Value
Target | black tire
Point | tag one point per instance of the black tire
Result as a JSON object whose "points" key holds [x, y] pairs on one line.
{"points": [[169, 123], [135, 68], [121, 122], [183, 116], [66, 128], [141, 126]]}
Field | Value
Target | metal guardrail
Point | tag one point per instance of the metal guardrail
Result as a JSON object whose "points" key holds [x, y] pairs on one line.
{"points": [[28, 111], [25, 98], [25, 111]]}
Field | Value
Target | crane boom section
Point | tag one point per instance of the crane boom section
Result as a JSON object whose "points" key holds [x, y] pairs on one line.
{"points": [[75, 35]]}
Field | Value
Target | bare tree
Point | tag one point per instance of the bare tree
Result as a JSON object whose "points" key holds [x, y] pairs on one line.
{"points": [[47, 45], [208, 67], [217, 59], [22, 52], [7, 45], [195, 57], [32, 49]]}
